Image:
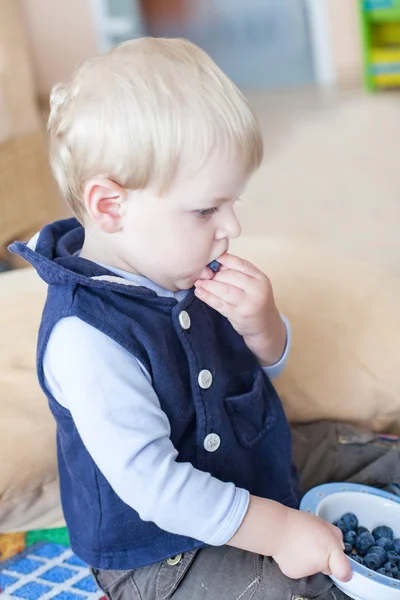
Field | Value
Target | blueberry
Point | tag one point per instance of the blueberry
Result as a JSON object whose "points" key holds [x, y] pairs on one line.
{"points": [[391, 568], [350, 521], [396, 545], [341, 525], [385, 543], [383, 532], [372, 561], [348, 548], [350, 537], [214, 266], [363, 543], [358, 559], [380, 552], [393, 557], [361, 530], [383, 571]]}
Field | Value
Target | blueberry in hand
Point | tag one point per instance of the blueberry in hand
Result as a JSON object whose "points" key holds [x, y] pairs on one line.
{"points": [[385, 543], [363, 543], [391, 568], [350, 537], [214, 266], [383, 532], [348, 548], [360, 530], [358, 559], [396, 545], [350, 521], [372, 561], [341, 525]]}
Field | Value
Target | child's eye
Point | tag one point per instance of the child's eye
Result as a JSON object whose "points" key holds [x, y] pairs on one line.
{"points": [[207, 212]]}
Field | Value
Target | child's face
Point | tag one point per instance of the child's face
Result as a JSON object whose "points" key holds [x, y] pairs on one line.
{"points": [[170, 239]]}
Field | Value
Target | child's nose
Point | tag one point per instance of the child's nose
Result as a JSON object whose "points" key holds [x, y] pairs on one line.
{"points": [[233, 228], [229, 227]]}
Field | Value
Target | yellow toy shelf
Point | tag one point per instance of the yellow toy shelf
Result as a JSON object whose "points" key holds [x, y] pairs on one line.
{"points": [[380, 20]]}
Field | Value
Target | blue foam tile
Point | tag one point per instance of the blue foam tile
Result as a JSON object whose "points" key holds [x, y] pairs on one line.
{"points": [[31, 591], [25, 566], [48, 551], [87, 584], [74, 561], [6, 581], [58, 574], [68, 596]]}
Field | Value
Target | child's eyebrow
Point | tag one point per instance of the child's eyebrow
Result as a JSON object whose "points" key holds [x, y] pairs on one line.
{"points": [[219, 200]]}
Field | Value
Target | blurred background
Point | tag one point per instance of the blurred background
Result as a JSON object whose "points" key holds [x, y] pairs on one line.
{"points": [[320, 74]]}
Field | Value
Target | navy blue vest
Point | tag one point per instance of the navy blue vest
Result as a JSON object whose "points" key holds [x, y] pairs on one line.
{"points": [[241, 405]]}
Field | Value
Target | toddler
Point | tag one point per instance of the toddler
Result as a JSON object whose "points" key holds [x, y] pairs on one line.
{"points": [[174, 452]]}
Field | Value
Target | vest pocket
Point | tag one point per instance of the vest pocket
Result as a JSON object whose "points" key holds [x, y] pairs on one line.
{"points": [[253, 413]]}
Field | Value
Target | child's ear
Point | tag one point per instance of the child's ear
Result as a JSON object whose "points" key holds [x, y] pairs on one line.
{"points": [[103, 201]]}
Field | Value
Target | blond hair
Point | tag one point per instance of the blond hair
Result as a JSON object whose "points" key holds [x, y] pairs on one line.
{"points": [[131, 115]]}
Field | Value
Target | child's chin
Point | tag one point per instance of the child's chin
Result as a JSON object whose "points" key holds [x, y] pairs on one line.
{"points": [[185, 283]]}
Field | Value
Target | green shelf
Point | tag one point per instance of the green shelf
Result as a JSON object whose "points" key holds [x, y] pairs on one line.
{"points": [[380, 32], [389, 15]]}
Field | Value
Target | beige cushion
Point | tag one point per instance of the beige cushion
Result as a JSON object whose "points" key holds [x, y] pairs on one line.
{"points": [[345, 315], [29, 494]]}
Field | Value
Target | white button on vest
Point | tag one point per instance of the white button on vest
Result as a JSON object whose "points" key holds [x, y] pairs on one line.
{"points": [[205, 379], [212, 442], [184, 320]]}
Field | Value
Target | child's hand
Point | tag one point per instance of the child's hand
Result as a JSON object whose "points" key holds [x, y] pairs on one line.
{"points": [[299, 542], [310, 545], [243, 294]]}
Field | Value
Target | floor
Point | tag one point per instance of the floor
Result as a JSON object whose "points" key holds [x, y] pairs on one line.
{"points": [[331, 172]]}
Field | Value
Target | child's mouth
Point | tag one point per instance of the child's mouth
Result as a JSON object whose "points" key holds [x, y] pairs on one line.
{"points": [[210, 270]]}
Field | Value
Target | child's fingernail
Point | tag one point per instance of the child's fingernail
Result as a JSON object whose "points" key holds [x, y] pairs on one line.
{"points": [[197, 283], [198, 292]]}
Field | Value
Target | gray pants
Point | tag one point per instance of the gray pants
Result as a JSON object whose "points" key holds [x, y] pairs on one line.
{"points": [[323, 452], [212, 573]]}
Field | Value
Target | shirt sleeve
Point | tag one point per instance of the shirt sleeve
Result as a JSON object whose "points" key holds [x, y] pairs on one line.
{"points": [[114, 406], [273, 371]]}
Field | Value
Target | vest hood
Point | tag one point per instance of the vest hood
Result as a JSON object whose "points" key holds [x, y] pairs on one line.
{"points": [[54, 253]]}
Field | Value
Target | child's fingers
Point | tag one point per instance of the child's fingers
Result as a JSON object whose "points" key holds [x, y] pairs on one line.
{"points": [[224, 291], [206, 273], [236, 278], [339, 565], [238, 264], [221, 306], [339, 535]]}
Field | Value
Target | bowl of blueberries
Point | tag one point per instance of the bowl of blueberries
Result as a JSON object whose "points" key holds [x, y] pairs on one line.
{"points": [[369, 519]]}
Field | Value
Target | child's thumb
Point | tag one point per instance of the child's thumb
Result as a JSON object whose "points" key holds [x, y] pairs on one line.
{"points": [[339, 565]]}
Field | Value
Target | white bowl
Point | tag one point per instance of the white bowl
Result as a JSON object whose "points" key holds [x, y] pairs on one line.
{"points": [[373, 507]]}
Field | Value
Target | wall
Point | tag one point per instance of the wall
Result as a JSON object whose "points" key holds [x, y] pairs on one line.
{"points": [[345, 38], [60, 35], [18, 112]]}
